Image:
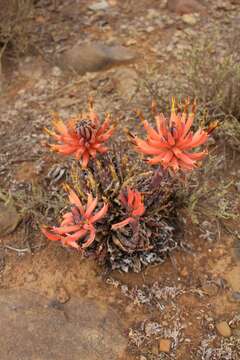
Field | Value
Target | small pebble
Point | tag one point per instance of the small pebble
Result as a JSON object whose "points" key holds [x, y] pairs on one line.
{"points": [[236, 296], [62, 295], [100, 5], [164, 345], [131, 42], [223, 329], [184, 272], [190, 19], [149, 29]]}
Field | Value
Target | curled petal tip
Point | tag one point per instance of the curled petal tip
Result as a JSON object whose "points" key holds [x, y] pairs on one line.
{"points": [[173, 104]]}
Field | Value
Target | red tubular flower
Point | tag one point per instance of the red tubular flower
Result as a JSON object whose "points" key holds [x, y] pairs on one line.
{"points": [[83, 136], [134, 205], [171, 143], [77, 224]]}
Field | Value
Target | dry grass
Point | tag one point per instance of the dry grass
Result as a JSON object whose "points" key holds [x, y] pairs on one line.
{"points": [[209, 73], [14, 26], [37, 205], [214, 78]]}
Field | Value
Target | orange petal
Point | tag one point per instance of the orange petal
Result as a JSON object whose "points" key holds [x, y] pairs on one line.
{"points": [[66, 229], [130, 197], [170, 139], [91, 204], [49, 235], [167, 157], [85, 159], [75, 237], [139, 210], [199, 138], [64, 149], [123, 223], [145, 148], [104, 126], [188, 124], [93, 152], [163, 144], [183, 157], [100, 148], [161, 125], [163, 128], [99, 215], [198, 155], [105, 136], [174, 163], [79, 153], [91, 238], [151, 132], [74, 199], [67, 222]]}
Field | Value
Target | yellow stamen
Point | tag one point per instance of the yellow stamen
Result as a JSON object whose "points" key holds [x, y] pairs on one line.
{"points": [[49, 132], [173, 105], [66, 187]]}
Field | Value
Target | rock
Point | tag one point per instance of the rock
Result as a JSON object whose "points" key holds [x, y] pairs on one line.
{"points": [[149, 29], [236, 296], [131, 42], [223, 329], [165, 345], [185, 6], [153, 13], [99, 5], [93, 57], [62, 295], [56, 71], [9, 218], [82, 329], [190, 19], [30, 277]]}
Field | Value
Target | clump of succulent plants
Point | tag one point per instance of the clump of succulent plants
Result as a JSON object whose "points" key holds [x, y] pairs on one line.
{"points": [[123, 211]]}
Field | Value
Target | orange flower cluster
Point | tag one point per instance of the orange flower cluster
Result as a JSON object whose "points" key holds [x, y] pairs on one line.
{"points": [[134, 205], [83, 136], [171, 143], [77, 224]]}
